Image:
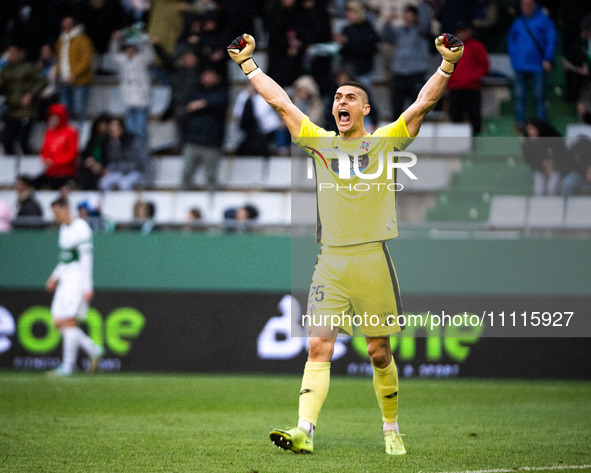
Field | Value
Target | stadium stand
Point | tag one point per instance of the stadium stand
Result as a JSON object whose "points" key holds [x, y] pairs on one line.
{"points": [[171, 207], [279, 173], [575, 130], [507, 211], [107, 98], [432, 175], [274, 173], [578, 213], [459, 207], [545, 212], [443, 138], [162, 136], [479, 180], [301, 203], [8, 170], [245, 172]]}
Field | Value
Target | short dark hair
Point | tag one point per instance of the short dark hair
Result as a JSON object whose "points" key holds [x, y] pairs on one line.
{"points": [[252, 211], [14, 44], [72, 13], [150, 209], [359, 85], [412, 9], [61, 201], [211, 68], [26, 180]]}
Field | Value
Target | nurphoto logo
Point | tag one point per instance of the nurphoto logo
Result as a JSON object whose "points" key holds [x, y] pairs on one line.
{"points": [[347, 166]]}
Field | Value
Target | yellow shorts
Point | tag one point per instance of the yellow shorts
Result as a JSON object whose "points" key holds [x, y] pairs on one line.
{"points": [[355, 286]]}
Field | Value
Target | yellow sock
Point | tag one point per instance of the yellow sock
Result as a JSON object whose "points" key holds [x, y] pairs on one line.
{"points": [[385, 384], [315, 384]]}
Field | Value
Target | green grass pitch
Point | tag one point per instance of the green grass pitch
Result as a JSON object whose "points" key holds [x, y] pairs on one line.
{"points": [[220, 423]]}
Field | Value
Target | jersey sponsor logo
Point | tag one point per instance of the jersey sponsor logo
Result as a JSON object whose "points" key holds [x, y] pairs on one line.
{"points": [[347, 166], [362, 164], [68, 256]]}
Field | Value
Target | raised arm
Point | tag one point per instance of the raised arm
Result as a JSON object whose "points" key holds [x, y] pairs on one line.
{"points": [[240, 50], [451, 49]]}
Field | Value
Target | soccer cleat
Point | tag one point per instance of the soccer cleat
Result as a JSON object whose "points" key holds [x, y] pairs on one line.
{"points": [[394, 445], [59, 372], [297, 440], [95, 360]]}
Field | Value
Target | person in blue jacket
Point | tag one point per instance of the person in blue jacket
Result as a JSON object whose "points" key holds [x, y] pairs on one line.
{"points": [[531, 44]]}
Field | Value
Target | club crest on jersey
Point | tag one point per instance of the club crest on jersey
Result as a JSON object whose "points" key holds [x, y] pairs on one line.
{"points": [[362, 164], [364, 145]]}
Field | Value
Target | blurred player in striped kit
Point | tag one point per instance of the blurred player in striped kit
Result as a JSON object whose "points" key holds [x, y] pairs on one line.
{"points": [[71, 280]]}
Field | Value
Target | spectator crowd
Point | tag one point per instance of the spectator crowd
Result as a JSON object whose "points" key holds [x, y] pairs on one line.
{"points": [[53, 51]]}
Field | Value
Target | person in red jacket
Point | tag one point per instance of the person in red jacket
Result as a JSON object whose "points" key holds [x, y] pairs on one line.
{"points": [[59, 152], [465, 84]]}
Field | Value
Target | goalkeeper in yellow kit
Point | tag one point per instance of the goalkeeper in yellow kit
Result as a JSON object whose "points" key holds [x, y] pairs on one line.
{"points": [[356, 215]]}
